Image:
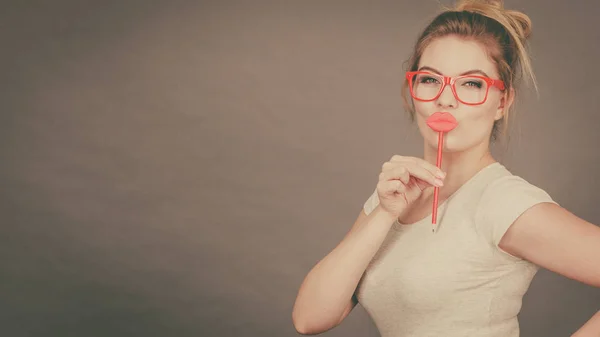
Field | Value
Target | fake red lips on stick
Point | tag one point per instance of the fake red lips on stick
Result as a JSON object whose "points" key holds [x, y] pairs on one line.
{"points": [[440, 122]]}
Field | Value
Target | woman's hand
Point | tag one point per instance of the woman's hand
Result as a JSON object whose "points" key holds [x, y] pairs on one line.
{"points": [[402, 181]]}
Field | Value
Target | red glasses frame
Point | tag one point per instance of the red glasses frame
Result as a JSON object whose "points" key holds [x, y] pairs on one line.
{"points": [[448, 80]]}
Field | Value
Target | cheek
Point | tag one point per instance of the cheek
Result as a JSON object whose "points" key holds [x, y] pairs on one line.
{"points": [[483, 114], [477, 121], [424, 108], [488, 111], [473, 129]]}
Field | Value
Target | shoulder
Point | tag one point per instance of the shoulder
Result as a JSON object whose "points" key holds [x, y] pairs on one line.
{"points": [[504, 185], [504, 199]]}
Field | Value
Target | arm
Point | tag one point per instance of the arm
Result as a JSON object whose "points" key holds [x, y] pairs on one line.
{"points": [[326, 296], [553, 238], [590, 329]]}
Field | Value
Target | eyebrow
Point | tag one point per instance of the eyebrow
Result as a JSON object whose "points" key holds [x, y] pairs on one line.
{"points": [[473, 71]]}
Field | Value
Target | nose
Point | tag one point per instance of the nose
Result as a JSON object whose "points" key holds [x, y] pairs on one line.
{"points": [[447, 98]]}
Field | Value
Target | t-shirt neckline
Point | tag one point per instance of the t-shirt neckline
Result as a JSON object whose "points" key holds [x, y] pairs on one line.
{"points": [[398, 226]]}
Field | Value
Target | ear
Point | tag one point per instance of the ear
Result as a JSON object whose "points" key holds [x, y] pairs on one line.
{"points": [[505, 102]]}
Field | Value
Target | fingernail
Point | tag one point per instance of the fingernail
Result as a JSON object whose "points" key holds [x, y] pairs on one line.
{"points": [[439, 182], [442, 174]]}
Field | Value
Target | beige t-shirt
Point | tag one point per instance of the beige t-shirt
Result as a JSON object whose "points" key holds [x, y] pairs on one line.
{"points": [[455, 282]]}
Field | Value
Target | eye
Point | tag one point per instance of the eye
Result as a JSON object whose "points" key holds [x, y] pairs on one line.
{"points": [[473, 84], [428, 79]]}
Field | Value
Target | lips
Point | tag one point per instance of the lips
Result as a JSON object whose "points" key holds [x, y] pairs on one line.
{"points": [[442, 122]]}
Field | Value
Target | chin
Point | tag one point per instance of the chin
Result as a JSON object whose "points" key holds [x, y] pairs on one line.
{"points": [[452, 142]]}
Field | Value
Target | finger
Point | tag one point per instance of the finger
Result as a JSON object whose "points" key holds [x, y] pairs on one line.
{"points": [[391, 187], [396, 161], [397, 173], [387, 166], [419, 183], [413, 190], [385, 188], [398, 158], [407, 170], [435, 171]]}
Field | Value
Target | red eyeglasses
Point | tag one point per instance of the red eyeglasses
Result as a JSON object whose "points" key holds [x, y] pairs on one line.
{"points": [[469, 89]]}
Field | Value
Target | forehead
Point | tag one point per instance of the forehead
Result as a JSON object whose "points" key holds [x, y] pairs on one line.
{"points": [[452, 56]]}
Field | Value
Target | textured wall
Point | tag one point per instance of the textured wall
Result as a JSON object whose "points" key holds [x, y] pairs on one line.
{"points": [[175, 168]]}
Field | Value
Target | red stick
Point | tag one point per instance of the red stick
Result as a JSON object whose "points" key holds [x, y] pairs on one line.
{"points": [[439, 122], [437, 189]]}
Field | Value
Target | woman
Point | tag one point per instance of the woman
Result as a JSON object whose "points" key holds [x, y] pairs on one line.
{"points": [[494, 228]]}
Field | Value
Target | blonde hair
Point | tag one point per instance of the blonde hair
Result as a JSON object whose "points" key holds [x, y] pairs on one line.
{"points": [[503, 32]]}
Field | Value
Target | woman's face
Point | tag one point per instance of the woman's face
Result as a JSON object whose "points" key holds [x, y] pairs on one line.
{"points": [[453, 56]]}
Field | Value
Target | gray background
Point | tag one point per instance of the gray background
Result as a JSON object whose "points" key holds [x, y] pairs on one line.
{"points": [[176, 168]]}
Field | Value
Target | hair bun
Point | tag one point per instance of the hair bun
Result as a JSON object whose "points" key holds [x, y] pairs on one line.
{"points": [[521, 22], [495, 9], [478, 5]]}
